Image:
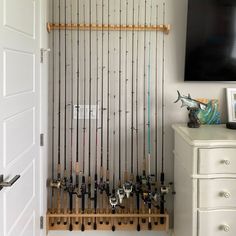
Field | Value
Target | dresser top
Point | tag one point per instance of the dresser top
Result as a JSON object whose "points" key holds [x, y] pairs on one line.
{"points": [[207, 135]]}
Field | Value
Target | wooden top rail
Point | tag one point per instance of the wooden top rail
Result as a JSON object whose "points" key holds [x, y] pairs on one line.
{"points": [[162, 28]]}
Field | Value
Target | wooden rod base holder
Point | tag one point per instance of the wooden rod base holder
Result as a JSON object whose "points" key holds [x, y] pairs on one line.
{"points": [[107, 221]]}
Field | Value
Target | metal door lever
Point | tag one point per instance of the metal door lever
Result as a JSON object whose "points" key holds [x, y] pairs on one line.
{"points": [[8, 184]]}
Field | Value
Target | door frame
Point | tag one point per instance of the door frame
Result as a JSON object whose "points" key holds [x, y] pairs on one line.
{"points": [[44, 77]]}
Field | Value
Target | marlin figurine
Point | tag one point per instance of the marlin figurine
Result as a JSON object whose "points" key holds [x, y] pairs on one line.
{"points": [[190, 103]]}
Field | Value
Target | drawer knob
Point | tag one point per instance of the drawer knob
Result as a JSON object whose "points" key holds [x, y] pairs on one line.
{"points": [[225, 228], [225, 194], [226, 162]]}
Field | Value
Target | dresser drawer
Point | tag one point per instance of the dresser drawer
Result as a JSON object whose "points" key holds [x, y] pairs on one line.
{"points": [[217, 161], [217, 193], [217, 223]]}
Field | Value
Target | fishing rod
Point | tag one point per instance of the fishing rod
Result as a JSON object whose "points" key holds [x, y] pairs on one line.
{"points": [[144, 177], [83, 185], [59, 123], [71, 186], [120, 190], [90, 111], [101, 183], [113, 198], [77, 119], [130, 187], [127, 186], [126, 108], [53, 110], [156, 117], [149, 200], [144, 96], [96, 138], [162, 177], [107, 187], [137, 187], [65, 117]]}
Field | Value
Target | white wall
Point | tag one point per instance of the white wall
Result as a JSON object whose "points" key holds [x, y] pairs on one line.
{"points": [[176, 14]]}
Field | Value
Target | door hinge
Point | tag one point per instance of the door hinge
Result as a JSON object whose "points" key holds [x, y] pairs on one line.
{"points": [[43, 52], [41, 140], [41, 222]]}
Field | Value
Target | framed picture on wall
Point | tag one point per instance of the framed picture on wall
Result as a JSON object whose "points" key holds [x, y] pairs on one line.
{"points": [[231, 104]]}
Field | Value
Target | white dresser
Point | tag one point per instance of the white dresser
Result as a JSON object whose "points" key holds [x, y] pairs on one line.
{"points": [[205, 181]]}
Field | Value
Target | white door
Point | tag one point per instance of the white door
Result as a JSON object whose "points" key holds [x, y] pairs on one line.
{"points": [[19, 116]]}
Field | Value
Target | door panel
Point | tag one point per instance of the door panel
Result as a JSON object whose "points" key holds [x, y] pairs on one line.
{"points": [[23, 138], [24, 68], [13, 211], [20, 17], [19, 116]]}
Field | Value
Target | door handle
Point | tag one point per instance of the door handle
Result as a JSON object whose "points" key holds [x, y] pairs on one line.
{"points": [[8, 184]]}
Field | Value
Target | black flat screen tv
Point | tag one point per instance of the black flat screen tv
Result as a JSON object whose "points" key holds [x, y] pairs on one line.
{"points": [[211, 41]]}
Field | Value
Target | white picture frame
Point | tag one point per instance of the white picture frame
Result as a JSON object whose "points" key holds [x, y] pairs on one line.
{"points": [[231, 104]]}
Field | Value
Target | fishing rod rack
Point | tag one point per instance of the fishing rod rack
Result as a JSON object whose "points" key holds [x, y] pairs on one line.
{"points": [[106, 148], [162, 28]]}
